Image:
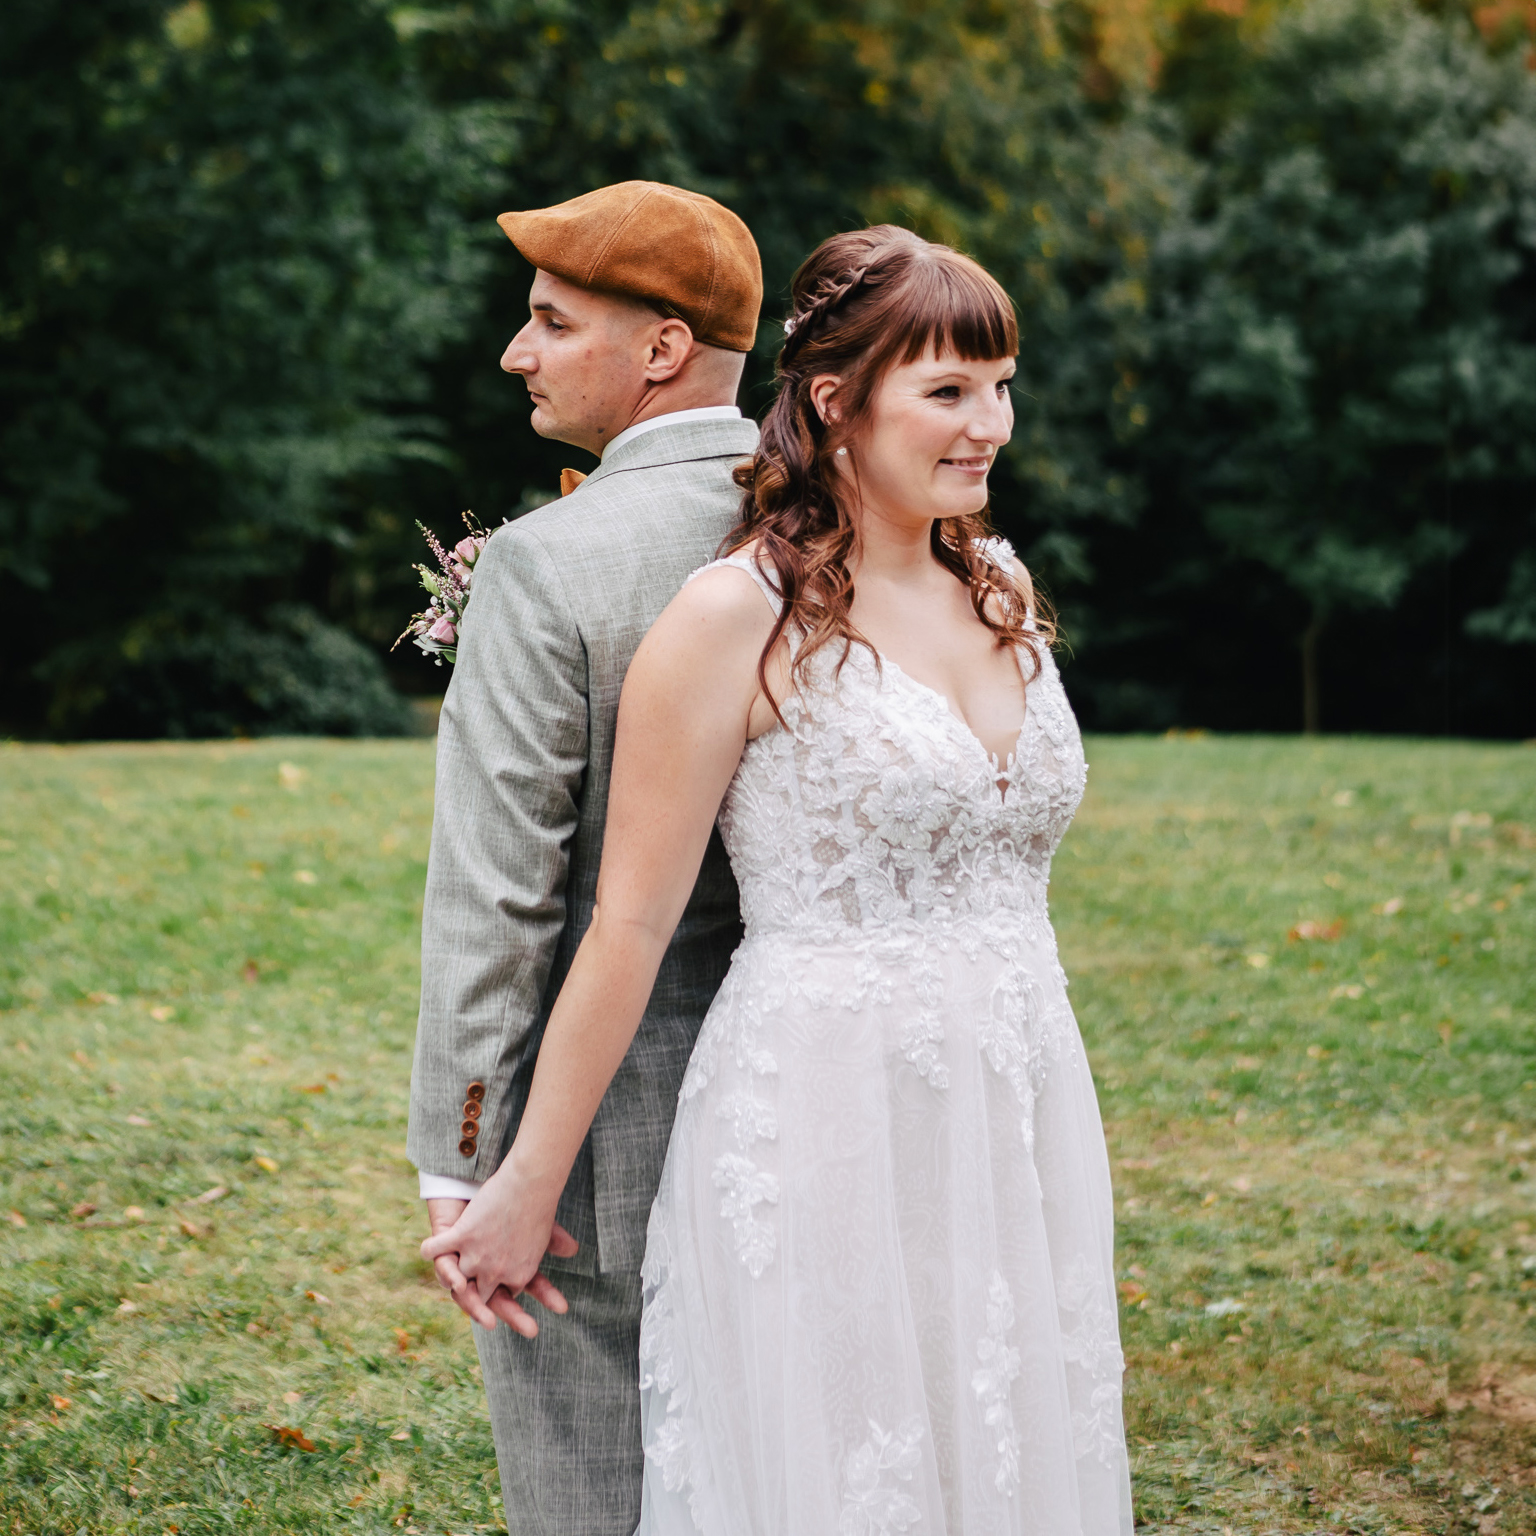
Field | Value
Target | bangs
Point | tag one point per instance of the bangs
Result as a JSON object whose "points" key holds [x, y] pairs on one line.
{"points": [[954, 305]]}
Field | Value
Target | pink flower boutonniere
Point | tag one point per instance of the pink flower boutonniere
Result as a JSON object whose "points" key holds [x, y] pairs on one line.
{"points": [[435, 629]]}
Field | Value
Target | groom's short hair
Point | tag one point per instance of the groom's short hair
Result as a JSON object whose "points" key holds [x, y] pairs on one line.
{"points": [[678, 251]]}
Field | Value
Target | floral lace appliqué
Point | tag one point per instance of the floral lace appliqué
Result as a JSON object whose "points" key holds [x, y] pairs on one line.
{"points": [[874, 1502], [993, 1379], [746, 1187], [1093, 1343]]}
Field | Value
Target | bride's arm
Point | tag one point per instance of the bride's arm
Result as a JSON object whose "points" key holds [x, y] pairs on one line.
{"points": [[690, 701]]}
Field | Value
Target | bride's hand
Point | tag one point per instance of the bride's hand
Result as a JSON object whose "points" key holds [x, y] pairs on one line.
{"points": [[498, 1243]]}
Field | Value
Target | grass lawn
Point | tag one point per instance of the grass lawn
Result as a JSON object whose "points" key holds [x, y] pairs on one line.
{"points": [[1306, 974]]}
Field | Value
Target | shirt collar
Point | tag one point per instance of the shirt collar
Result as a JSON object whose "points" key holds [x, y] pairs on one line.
{"points": [[671, 418]]}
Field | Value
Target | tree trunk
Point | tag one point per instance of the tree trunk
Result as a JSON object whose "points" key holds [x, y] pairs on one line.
{"points": [[1311, 696]]}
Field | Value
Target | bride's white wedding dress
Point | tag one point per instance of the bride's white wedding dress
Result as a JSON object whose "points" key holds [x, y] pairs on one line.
{"points": [[879, 1289]]}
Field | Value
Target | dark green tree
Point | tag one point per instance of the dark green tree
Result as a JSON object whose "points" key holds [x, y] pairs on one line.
{"points": [[1344, 383], [233, 240]]}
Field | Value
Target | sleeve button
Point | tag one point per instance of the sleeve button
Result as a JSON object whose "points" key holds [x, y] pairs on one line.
{"points": [[472, 1109], [469, 1130], [475, 1092], [466, 1148]]}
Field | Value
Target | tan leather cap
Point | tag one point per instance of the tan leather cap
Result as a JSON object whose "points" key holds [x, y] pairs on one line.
{"points": [[678, 249]]}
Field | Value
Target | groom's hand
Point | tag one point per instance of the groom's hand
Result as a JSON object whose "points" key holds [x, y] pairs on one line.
{"points": [[443, 1215]]}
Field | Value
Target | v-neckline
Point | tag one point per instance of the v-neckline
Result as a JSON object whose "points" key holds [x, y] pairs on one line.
{"points": [[1001, 777]]}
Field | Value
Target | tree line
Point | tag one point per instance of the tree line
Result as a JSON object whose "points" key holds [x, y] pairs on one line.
{"points": [[1274, 260]]}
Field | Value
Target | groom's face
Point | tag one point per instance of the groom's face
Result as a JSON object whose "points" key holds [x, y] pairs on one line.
{"points": [[583, 356]]}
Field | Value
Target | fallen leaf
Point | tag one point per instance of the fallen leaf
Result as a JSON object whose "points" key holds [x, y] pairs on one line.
{"points": [[404, 1434], [317, 1298], [1310, 928], [358, 1500], [15, 1218], [266, 1164], [61, 1404], [293, 1397], [111, 999], [133, 1213], [139, 1120], [1389, 908], [249, 971], [1257, 960], [402, 1340], [1352, 990], [290, 775], [191, 1229], [81, 1057], [1242, 1184], [208, 1196], [161, 1014], [306, 877], [311, 1088], [1131, 1291], [85, 1208], [287, 1435], [127, 1306]]}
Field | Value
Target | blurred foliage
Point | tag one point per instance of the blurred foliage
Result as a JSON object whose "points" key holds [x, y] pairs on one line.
{"points": [[1344, 326], [1273, 264], [233, 240]]}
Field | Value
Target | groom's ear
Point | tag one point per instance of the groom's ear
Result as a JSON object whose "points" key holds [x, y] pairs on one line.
{"points": [[669, 347]]}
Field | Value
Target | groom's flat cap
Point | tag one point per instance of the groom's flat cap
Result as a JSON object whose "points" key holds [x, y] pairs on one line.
{"points": [[680, 251]]}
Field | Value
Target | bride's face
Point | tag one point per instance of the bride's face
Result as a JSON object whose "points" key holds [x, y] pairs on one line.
{"points": [[933, 430]]}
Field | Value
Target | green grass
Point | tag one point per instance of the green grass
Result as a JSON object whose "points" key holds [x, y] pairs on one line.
{"points": [[1323, 1147]]}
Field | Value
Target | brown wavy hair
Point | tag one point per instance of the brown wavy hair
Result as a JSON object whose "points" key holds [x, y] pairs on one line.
{"points": [[863, 303]]}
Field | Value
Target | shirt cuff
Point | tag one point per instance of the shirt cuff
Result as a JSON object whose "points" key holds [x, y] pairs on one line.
{"points": [[438, 1186]]}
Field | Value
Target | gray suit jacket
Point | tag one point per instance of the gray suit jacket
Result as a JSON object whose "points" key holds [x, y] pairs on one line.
{"points": [[562, 597]]}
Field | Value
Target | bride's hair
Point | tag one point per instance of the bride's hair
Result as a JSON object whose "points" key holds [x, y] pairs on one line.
{"points": [[865, 302]]}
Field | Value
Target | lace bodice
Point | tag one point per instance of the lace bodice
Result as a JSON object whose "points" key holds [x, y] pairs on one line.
{"points": [[877, 809]]}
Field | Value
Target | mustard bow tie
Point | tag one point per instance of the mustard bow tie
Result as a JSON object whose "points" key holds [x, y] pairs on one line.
{"points": [[569, 480]]}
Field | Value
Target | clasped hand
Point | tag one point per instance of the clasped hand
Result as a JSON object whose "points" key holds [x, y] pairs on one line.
{"points": [[487, 1252]]}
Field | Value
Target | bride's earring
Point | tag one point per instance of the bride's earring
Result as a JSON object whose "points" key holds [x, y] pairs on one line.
{"points": [[842, 453]]}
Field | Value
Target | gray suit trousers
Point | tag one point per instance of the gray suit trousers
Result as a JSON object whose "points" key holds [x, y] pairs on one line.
{"points": [[565, 1409]]}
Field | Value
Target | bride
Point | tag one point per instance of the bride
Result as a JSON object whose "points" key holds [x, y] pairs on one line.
{"points": [[879, 1289]]}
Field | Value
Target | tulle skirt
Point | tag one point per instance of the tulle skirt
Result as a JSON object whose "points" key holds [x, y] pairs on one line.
{"points": [[879, 1284]]}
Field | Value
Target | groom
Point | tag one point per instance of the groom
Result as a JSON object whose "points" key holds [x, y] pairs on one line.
{"points": [[643, 306]]}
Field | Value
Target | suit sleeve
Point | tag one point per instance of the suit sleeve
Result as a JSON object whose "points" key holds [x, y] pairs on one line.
{"points": [[511, 754]]}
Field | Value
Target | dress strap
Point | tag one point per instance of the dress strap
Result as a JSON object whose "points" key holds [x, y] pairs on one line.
{"points": [[998, 550], [741, 561]]}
